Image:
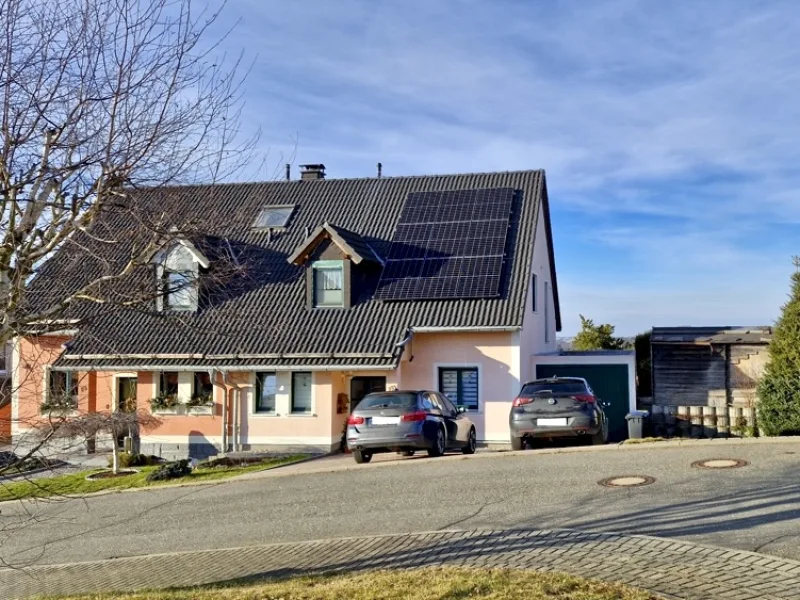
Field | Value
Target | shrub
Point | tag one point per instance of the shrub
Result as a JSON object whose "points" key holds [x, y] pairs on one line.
{"points": [[779, 389], [126, 459], [174, 470]]}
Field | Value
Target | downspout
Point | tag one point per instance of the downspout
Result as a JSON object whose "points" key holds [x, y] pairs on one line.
{"points": [[237, 426], [226, 384]]}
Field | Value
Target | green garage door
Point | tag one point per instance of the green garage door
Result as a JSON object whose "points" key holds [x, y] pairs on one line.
{"points": [[609, 382]]}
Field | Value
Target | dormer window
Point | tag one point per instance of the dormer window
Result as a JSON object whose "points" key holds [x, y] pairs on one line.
{"points": [[272, 217], [328, 283], [178, 271], [337, 263], [180, 292]]}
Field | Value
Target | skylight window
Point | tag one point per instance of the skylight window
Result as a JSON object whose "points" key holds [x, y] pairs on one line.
{"points": [[273, 216]]}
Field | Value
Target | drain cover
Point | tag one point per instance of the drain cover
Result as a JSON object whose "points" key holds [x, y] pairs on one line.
{"points": [[720, 463], [627, 481]]}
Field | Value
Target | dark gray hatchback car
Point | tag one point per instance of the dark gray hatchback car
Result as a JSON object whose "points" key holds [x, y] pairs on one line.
{"points": [[407, 421], [557, 408]]}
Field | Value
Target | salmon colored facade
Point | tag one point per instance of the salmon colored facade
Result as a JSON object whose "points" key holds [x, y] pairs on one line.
{"points": [[232, 421]]}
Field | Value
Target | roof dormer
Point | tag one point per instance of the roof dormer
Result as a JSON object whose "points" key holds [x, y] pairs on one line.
{"points": [[336, 260], [178, 269]]}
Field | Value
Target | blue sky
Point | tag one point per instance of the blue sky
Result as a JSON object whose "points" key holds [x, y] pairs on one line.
{"points": [[670, 131]]}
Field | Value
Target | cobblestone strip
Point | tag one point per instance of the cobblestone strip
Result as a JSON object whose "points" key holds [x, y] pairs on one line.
{"points": [[672, 569]]}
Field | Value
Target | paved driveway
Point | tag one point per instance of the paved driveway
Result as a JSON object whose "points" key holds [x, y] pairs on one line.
{"points": [[751, 508]]}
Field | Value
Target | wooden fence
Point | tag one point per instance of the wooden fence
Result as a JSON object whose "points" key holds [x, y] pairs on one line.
{"points": [[702, 421]]}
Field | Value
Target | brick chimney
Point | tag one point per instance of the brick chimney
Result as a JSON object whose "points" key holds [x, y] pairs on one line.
{"points": [[312, 171]]}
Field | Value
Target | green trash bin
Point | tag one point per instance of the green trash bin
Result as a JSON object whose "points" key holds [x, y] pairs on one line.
{"points": [[635, 420]]}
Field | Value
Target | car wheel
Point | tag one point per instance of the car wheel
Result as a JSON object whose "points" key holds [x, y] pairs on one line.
{"points": [[438, 445], [517, 443], [407, 453], [599, 438], [472, 443], [362, 457]]}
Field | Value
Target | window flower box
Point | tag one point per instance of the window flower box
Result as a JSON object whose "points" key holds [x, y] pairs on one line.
{"points": [[164, 404], [59, 405], [169, 405]]}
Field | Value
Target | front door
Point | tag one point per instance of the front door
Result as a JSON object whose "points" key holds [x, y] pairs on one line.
{"points": [[361, 386], [126, 403]]}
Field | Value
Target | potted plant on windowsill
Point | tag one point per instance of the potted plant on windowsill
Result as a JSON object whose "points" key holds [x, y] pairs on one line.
{"points": [[59, 404], [200, 404], [164, 404]]}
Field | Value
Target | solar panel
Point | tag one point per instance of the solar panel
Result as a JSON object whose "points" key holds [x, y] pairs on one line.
{"points": [[448, 244]]}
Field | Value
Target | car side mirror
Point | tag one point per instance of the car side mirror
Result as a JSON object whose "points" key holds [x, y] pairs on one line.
{"points": [[461, 409]]}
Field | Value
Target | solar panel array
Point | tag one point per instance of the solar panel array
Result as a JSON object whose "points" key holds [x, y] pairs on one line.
{"points": [[448, 245]]}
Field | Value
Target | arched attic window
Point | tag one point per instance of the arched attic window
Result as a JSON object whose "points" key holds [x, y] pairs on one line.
{"points": [[178, 277]]}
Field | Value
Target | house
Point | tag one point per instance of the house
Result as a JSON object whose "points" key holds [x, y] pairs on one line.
{"points": [[708, 366], [338, 287]]}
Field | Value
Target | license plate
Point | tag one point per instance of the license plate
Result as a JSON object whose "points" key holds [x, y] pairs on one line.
{"points": [[552, 422], [385, 420]]}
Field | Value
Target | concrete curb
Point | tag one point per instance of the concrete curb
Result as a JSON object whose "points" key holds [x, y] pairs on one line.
{"points": [[671, 568], [188, 484], [721, 443]]}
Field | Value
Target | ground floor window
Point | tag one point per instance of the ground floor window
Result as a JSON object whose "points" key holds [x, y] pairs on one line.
{"points": [[203, 389], [168, 384], [266, 388], [460, 385], [301, 392], [63, 388]]}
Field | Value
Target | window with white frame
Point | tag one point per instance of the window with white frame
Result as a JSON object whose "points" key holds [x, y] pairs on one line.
{"points": [[179, 290], [301, 392], [534, 292], [328, 283], [460, 385], [62, 389], [266, 390], [203, 387], [168, 384]]}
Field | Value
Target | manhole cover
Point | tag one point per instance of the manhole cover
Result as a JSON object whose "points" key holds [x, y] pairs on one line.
{"points": [[627, 481], [720, 463]]}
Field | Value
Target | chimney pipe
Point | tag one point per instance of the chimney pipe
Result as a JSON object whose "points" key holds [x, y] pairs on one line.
{"points": [[380, 169], [312, 171], [307, 231], [288, 171]]}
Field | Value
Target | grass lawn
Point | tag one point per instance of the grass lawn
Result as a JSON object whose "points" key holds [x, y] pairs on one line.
{"points": [[77, 484], [646, 440], [422, 584]]}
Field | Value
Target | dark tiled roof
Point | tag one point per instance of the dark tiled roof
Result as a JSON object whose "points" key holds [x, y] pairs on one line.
{"points": [[349, 241], [267, 314], [712, 335]]}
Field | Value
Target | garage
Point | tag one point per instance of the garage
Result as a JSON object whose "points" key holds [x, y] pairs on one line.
{"points": [[610, 373]]}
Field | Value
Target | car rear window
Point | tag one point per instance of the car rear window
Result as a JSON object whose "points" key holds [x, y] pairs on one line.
{"points": [[388, 401], [557, 387]]}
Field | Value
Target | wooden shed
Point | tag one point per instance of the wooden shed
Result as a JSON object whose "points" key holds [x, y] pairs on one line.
{"points": [[708, 366]]}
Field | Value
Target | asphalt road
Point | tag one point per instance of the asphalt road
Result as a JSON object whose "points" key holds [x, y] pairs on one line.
{"points": [[753, 508]]}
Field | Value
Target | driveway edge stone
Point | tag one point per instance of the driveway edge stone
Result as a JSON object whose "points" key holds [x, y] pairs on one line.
{"points": [[671, 568]]}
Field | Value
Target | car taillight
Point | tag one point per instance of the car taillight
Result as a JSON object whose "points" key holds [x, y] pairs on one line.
{"points": [[585, 398], [353, 420], [419, 415], [521, 400]]}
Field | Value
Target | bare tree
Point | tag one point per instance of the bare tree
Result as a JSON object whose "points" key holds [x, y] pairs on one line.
{"points": [[98, 101], [88, 426], [99, 98]]}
